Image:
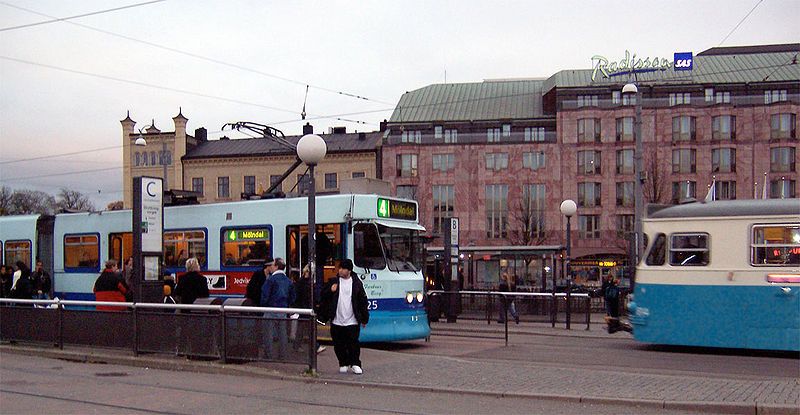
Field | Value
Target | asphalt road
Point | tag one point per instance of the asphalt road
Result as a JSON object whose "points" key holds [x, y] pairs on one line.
{"points": [[39, 385]]}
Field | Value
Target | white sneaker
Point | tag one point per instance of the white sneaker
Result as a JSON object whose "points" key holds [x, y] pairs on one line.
{"points": [[321, 349], [342, 369], [356, 369]]}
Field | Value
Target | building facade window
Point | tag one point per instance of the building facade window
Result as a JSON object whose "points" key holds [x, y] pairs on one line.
{"points": [[589, 130], [683, 190], [153, 161], [725, 190], [407, 192], [625, 129], [165, 158], [709, 95], [411, 136], [625, 194], [589, 226], [680, 98], [534, 134], [496, 211], [276, 178], [493, 135], [589, 162], [616, 97], [137, 158], [782, 189], [444, 197], [625, 161], [721, 97], [723, 160], [533, 209], [588, 100], [197, 185], [683, 128], [625, 226], [358, 174], [723, 127], [223, 187], [684, 160], [783, 126], [533, 160], [303, 184], [496, 161], [589, 194], [444, 162], [451, 136], [331, 181], [506, 130], [438, 132], [778, 95], [250, 185], [782, 159], [406, 165]]}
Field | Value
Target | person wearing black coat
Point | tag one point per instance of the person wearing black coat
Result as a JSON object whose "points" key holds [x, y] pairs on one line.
{"points": [[344, 302], [193, 284], [256, 282], [23, 287]]}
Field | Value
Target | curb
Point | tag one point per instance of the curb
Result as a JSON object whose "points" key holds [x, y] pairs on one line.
{"points": [[214, 367]]}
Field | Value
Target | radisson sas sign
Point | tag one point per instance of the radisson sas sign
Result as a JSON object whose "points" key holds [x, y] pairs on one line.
{"points": [[634, 64]]}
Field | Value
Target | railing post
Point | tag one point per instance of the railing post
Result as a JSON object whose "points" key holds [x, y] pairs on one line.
{"points": [[489, 307], [135, 315], [60, 325], [504, 302], [312, 344], [588, 311], [224, 329], [553, 309], [569, 304]]}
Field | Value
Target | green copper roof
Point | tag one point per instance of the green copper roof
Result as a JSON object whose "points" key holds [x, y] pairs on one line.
{"points": [[489, 100]]}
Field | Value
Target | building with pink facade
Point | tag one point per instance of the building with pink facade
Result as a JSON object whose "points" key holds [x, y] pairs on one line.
{"points": [[501, 155]]}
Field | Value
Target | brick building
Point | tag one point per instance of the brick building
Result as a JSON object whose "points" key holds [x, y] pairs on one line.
{"points": [[501, 155]]}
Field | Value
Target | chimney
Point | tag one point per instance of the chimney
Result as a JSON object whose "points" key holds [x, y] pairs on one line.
{"points": [[308, 129], [201, 134], [362, 136]]}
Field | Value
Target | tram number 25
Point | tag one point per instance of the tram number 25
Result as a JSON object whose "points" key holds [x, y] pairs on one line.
{"points": [[372, 305]]}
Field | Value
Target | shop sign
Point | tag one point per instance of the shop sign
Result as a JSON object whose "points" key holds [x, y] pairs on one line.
{"points": [[627, 65]]}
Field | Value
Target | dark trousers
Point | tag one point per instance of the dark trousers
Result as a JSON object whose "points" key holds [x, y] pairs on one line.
{"points": [[346, 345]]}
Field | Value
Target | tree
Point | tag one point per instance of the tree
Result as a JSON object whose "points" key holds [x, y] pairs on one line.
{"points": [[25, 202], [73, 200], [526, 228], [654, 187], [5, 200], [115, 205]]}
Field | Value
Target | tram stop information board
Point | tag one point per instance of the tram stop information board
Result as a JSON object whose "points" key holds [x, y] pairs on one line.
{"points": [[148, 237]]}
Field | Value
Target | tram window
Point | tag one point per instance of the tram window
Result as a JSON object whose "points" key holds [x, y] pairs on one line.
{"points": [[182, 245], [81, 252], [776, 245], [120, 247], [18, 251], [328, 249], [658, 252], [367, 246], [246, 247], [688, 249]]}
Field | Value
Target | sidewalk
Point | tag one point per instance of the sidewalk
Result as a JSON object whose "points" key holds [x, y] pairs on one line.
{"points": [[476, 370]]}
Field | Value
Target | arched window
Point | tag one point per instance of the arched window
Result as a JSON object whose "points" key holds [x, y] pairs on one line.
{"points": [[137, 159], [169, 157], [144, 159], [153, 158]]}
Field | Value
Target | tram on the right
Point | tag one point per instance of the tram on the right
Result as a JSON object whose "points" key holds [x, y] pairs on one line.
{"points": [[720, 274]]}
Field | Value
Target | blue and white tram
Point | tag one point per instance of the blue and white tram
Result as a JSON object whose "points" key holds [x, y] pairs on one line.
{"points": [[721, 274], [231, 240]]}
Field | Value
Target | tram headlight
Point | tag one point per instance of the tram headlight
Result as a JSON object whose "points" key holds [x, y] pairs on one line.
{"points": [[420, 296], [409, 298]]}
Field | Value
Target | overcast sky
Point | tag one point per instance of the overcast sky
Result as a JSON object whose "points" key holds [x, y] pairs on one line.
{"points": [[82, 76]]}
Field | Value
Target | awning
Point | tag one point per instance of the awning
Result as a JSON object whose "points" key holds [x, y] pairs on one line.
{"points": [[401, 225]]}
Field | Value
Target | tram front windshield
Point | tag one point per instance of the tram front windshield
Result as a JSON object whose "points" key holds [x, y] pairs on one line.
{"points": [[403, 248]]}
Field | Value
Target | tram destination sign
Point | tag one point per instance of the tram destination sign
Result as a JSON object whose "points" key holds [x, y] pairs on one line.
{"points": [[397, 209], [260, 234]]}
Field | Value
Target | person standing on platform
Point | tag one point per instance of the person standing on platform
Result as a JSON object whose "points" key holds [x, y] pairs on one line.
{"points": [[193, 284], [277, 291], [256, 282], [110, 287], [344, 301], [42, 282]]}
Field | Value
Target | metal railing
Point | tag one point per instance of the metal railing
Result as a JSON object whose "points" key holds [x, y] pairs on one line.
{"points": [[231, 332], [531, 307]]}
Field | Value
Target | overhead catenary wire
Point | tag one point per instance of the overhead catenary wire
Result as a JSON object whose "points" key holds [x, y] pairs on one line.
{"points": [[77, 16], [740, 23], [205, 58]]}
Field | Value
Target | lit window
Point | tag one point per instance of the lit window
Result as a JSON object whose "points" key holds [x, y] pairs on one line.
{"points": [[776, 245]]}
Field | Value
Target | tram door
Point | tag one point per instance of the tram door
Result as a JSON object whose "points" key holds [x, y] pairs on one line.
{"points": [[120, 246], [329, 249]]}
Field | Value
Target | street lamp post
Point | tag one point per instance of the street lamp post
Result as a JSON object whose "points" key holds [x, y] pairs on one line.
{"points": [[312, 149], [568, 209], [638, 194]]}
